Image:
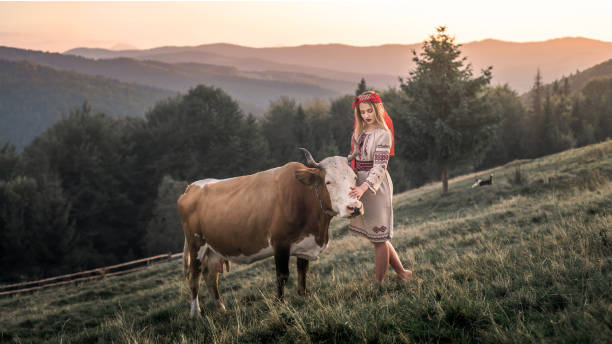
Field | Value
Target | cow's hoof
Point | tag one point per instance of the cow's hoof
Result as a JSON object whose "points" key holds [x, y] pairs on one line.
{"points": [[194, 314], [218, 305], [195, 309], [302, 292]]}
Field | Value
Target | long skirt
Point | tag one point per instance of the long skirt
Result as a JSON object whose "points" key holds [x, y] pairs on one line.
{"points": [[376, 223]]}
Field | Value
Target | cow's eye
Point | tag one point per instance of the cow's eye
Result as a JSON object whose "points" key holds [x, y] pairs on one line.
{"points": [[328, 183]]}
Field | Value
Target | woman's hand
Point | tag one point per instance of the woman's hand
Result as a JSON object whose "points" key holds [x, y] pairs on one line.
{"points": [[357, 191]]}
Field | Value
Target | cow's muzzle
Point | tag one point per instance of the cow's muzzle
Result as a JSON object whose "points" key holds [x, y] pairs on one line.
{"points": [[355, 209]]}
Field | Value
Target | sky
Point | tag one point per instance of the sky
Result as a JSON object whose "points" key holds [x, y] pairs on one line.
{"points": [[57, 27]]}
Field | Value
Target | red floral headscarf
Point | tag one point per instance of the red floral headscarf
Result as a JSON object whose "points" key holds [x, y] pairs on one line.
{"points": [[374, 98]]}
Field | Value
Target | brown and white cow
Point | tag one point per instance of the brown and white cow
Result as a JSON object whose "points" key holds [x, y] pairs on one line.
{"points": [[281, 212]]}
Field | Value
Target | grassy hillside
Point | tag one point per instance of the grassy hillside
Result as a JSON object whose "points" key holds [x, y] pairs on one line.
{"points": [[33, 97], [528, 259]]}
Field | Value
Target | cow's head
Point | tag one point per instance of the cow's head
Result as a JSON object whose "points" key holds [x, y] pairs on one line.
{"points": [[338, 177]]}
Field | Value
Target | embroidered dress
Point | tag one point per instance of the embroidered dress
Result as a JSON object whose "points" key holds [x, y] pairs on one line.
{"points": [[376, 223]]}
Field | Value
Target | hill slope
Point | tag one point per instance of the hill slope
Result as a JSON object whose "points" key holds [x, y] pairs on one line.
{"points": [[32, 97], [527, 259]]}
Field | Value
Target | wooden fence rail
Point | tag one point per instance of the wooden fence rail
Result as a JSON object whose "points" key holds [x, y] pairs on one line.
{"points": [[98, 273]]}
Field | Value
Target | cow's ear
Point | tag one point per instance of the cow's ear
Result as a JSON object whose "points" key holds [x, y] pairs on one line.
{"points": [[307, 176]]}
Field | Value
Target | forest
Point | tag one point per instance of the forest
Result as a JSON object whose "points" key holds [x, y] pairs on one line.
{"points": [[95, 189]]}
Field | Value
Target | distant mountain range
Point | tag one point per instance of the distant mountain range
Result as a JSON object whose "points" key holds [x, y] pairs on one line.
{"points": [[252, 89], [293, 60], [33, 97], [256, 76], [513, 63]]}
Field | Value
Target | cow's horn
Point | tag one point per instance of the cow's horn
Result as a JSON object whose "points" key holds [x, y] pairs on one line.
{"points": [[309, 160], [355, 150]]}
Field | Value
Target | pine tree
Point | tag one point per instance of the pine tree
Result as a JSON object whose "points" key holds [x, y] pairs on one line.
{"points": [[536, 117], [536, 103], [451, 123], [566, 88], [510, 135], [556, 136], [301, 129], [362, 87], [548, 127]]}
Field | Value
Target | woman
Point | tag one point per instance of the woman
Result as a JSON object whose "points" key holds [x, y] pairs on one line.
{"points": [[375, 144]]}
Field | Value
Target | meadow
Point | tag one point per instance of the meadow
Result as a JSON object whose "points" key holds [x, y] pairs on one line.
{"points": [[528, 259]]}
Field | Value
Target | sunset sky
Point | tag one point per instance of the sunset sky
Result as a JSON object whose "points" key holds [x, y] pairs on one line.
{"points": [[61, 26]]}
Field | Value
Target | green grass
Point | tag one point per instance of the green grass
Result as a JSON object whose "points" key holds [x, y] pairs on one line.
{"points": [[528, 259]]}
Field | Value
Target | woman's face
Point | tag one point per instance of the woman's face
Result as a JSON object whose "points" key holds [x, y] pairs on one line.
{"points": [[367, 112]]}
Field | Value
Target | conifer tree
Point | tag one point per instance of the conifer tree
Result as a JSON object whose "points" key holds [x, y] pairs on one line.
{"points": [[451, 123], [536, 103], [301, 128], [566, 88], [362, 87], [536, 117], [512, 131]]}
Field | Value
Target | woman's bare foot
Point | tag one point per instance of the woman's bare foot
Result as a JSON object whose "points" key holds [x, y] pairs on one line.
{"points": [[404, 276]]}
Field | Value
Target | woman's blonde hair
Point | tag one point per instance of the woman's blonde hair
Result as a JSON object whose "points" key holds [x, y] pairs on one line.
{"points": [[379, 109]]}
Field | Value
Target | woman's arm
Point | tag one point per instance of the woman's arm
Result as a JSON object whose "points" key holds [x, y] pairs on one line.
{"points": [[382, 147]]}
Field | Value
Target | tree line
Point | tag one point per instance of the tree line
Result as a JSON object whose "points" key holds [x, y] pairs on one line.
{"points": [[95, 190]]}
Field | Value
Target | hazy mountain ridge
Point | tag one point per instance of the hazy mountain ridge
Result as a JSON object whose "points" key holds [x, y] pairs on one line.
{"points": [[513, 63], [243, 58], [32, 97], [252, 90], [555, 58]]}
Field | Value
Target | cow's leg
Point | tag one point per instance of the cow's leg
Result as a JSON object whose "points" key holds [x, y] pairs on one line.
{"points": [[228, 266], [281, 260], [186, 260], [195, 272], [211, 277], [302, 267]]}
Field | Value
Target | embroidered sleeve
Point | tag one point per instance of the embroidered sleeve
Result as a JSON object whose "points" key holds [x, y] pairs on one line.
{"points": [[382, 146]]}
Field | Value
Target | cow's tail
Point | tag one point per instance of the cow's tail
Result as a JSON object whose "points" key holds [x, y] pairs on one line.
{"points": [[186, 259]]}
